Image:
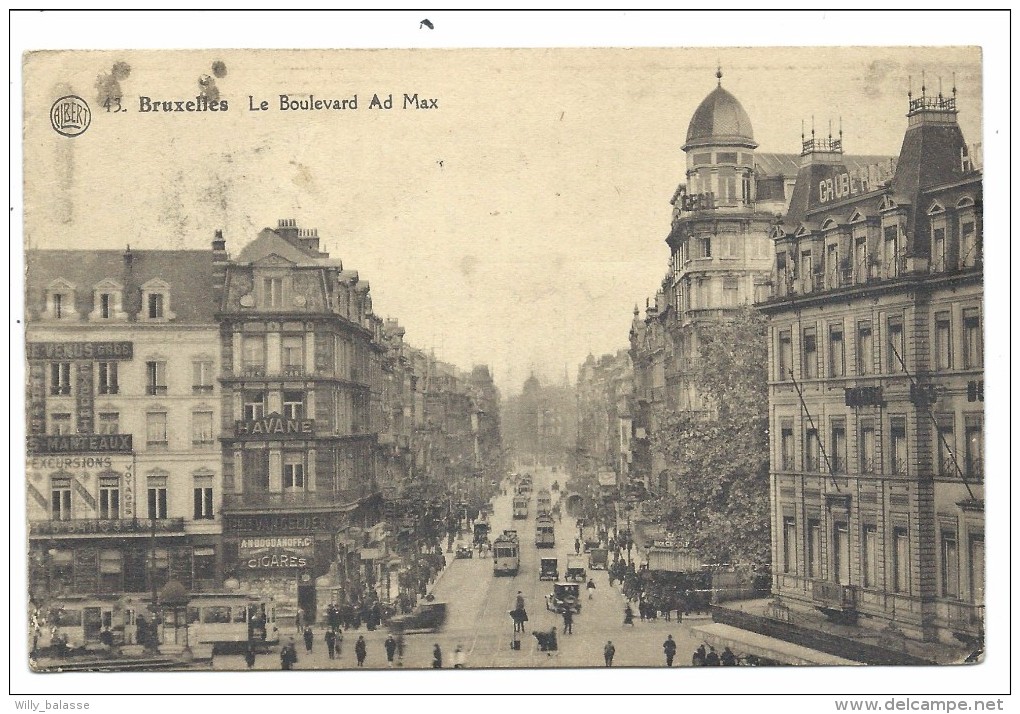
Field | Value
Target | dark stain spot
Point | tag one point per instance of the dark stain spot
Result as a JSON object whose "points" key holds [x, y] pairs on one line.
{"points": [[219, 69], [426, 23], [207, 86], [108, 85]]}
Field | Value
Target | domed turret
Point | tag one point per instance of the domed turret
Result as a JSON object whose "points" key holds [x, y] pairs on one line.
{"points": [[720, 120]]}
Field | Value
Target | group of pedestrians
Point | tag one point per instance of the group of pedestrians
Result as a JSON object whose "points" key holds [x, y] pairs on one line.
{"points": [[711, 658]]}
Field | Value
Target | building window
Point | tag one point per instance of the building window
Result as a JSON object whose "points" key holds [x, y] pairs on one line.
{"points": [[293, 355], [938, 249], [108, 378], [204, 564], [810, 353], [946, 447], [293, 472], [838, 446], [895, 356], [60, 502], [60, 379], [891, 255], [731, 292], [109, 497], [203, 497], [111, 571], [973, 434], [973, 347], [786, 447], [811, 462], [62, 570], [108, 423], [977, 569], [841, 552], [806, 270], [950, 551], [155, 377], [968, 243], [60, 424], [901, 560], [865, 348], [869, 552], [898, 445], [201, 428], [273, 292], [202, 376], [789, 544], [706, 247], [159, 574], [59, 311], [253, 352], [254, 405], [293, 405], [837, 354], [157, 497], [943, 341], [867, 447], [814, 549], [785, 354], [832, 266], [105, 306], [154, 306], [155, 430], [861, 259]]}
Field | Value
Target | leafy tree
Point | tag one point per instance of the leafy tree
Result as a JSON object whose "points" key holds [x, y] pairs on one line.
{"points": [[719, 456]]}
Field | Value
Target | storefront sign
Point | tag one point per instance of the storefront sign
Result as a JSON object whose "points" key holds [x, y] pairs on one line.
{"points": [[99, 526], [276, 552], [845, 183], [79, 350], [80, 443], [83, 406], [37, 398], [274, 427], [281, 524]]}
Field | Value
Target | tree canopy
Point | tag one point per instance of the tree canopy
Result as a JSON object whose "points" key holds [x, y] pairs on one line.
{"points": [[718, 457]]}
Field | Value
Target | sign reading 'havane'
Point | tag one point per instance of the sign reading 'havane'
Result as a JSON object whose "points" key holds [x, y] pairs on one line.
{"points": [[275, 427]]}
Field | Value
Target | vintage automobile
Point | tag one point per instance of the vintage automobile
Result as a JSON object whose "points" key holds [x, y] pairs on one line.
{"points": [[575, 569], [565, 596], [465, 551], [548, 569], [426, 617], [598, 559]]}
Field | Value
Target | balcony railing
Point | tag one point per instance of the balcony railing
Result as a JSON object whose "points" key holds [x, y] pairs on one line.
{"points": [[293, 499], [834, 594], [103, 526]]}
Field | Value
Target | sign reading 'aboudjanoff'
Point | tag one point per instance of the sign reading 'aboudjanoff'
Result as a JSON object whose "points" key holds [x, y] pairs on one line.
{"points": [[277, 552]]}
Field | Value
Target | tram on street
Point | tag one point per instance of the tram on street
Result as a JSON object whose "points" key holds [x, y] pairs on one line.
{"points": [[232, 621], [521, 506], [545, 536], [506, 554], [544, 502]]}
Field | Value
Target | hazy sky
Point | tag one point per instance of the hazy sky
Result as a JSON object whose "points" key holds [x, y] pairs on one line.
{"points": [[516, 225]]}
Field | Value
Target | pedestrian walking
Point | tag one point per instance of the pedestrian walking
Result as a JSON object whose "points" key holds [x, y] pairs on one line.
{"points": [[669, 647], [628, 615], [299, 620], [333, 617], [608, 652], [331, 643], [577, 546], [391, 650], [459, 658], [309, 638], [591, 588], [437, 657], [728, 658], [712, 658], [288, 656], [698, 658], [360, 650], [568, 621], [339, 642], [249, 657]]}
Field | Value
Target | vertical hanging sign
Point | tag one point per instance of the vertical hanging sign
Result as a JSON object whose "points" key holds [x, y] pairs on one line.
{"points": [[84, 406]]}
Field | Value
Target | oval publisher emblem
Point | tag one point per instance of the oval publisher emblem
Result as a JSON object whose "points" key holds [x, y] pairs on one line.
{"points": [[70, 115]]}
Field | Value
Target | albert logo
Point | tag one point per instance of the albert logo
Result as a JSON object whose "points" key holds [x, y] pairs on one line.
{"points": [[70, 115]]}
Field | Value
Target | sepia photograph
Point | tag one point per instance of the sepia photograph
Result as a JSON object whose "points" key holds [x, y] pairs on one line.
{"points": [[377, 360]]}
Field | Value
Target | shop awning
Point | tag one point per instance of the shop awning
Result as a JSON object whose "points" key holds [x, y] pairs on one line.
{"points": [[743, 642]]}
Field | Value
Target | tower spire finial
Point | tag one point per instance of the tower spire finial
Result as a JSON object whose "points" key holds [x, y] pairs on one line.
{"points": [[802, 130], [718, 73], [910, 87], [954, 85]]}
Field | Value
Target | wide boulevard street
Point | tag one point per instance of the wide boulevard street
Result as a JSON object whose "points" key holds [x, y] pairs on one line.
{"points": [[479, 621]]}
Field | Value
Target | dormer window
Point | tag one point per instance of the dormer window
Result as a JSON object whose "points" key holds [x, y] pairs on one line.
{"points": [[968, 233], [107, 297], [156, 301], [937, 215], [60, 301]]}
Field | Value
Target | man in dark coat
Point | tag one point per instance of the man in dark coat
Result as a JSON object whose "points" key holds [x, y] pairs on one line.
{"points": [[391, 649], [437, 657], [669, 647], [360, 650], [331, 643], [608, 652], [249, 657], [728, 658], [712, 658], [333, 617], [309, 638], [698, 659], [568, 621]]}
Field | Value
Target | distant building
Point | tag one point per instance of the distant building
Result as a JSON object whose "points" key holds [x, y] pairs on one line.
{"points": [[604, 420], [876, 393]]}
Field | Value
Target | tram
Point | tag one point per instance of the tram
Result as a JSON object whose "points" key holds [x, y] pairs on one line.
{"points": [[544, 534], [506, 554], [521, 506]]}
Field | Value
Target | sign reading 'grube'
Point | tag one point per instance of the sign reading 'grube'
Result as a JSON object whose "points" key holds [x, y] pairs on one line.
{"points": [[274, 427]]}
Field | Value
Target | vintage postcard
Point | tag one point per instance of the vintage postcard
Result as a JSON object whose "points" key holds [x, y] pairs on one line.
{"points": [[503, 358]]}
